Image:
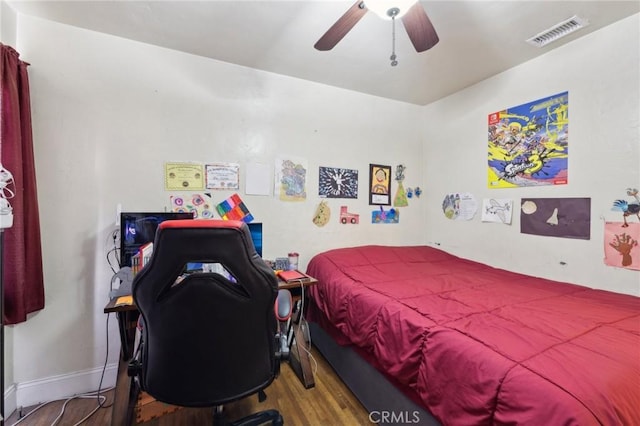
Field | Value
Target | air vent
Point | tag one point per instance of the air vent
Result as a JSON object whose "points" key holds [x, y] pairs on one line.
{"points": [[558, 31]]}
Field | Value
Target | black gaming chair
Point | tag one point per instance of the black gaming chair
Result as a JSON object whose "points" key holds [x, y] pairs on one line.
{"points": [[207, 338]]}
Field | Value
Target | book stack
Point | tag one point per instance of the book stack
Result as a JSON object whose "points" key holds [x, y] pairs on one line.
{"points": [[140, 259], [292, 276]]}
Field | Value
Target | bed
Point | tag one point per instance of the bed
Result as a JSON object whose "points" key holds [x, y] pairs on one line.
{"points": [[474, 345]]}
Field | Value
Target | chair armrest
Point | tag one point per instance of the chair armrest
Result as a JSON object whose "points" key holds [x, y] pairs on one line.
{"points": [[284, 305]]}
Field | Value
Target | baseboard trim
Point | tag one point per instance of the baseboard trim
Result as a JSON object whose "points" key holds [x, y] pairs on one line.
{"points": [[9, 400], [62, 386]]}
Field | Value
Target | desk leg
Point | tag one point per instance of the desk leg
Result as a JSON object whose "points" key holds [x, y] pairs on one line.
{"points": [[299, 357], [124, 396], [122, 327], [127, 322]]}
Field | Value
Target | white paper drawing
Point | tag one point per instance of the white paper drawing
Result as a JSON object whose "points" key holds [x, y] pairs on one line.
{"points": [[497, 210]]}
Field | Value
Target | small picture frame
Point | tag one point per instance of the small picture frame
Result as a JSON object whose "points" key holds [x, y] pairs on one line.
{"points": [[379, 185]]}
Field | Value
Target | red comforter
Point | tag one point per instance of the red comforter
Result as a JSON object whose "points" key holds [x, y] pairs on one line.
{"points": [[478, 345]]}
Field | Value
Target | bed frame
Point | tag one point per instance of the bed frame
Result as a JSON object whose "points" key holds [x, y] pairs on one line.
{"points": [[374, 391]]}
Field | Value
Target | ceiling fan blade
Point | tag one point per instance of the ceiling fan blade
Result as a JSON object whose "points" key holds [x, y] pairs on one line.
{"points": [[341, 27], [419, 28]]}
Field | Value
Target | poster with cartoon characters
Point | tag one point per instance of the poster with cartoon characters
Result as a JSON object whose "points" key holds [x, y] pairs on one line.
{"points": [[528, 144]]}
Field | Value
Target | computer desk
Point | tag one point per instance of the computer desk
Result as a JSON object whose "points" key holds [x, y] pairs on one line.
{"points": [[125, 393], [124, 398], [299, 356]]}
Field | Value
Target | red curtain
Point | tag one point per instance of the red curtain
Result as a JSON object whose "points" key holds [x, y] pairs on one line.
{"points": [[22, 276]]}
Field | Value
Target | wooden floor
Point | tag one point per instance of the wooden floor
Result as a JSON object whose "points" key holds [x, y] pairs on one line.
{"points": [[328, 403]]}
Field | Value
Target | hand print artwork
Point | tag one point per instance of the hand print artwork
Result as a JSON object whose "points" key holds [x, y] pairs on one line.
{"points": [[621, 246]]}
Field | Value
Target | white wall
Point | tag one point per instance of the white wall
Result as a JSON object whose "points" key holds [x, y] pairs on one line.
{"points": [[601, 73], [8, 20], [108, 113]]}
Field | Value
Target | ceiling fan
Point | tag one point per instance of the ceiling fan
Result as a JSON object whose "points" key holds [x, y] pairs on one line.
{"points": [[415, 20]]}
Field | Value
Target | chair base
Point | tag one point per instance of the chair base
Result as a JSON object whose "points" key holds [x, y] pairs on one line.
{"points": [[272, 417]]}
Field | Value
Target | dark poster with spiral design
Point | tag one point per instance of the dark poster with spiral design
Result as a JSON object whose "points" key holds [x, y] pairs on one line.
{"points": [[338, 183]]}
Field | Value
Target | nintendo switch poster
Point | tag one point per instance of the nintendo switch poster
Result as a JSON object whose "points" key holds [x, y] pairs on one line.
{"points": [[528, 144]]}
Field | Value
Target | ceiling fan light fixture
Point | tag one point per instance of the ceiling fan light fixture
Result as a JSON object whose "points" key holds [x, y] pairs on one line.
{"points": [[389, 9]]}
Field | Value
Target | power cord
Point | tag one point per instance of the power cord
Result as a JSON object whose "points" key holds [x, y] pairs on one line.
{"points": [[101, 399], [112, 239], [104, 366], [95, 394]]}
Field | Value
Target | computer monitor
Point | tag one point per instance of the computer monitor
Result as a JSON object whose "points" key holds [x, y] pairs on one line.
{"points": [[137, 229], [255, 229]]}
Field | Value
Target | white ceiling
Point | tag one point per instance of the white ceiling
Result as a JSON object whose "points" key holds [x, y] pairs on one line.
{"points": [[478, 38]]}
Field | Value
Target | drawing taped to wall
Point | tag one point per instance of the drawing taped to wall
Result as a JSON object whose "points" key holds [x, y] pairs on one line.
{"points": [[528, 144], [556, 217], [621, 247], [337, 183], [385, 216], [198, 204], [322, 215], [497, 210], [347, 217], [402, 198], [459, 206], [379, 185], [628, 208], [233, 208], [291, 179]]}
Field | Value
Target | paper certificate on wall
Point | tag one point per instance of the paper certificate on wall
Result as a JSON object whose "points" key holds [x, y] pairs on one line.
{"points": [[223, 176], [183, 177]]}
